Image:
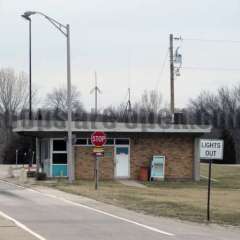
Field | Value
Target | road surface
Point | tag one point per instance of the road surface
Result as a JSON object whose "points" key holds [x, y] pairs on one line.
{"points": [[62, 216]]}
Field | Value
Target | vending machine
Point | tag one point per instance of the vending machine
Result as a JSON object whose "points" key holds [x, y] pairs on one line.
{"points": [[157, 168]]}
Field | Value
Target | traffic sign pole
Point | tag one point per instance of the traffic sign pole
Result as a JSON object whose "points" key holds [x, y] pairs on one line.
{"points": [[211, 149], [96, 173], [98, 139], [209, 189]]}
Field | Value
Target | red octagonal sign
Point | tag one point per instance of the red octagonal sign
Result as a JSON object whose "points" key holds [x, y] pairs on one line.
{"points": [[98, 138]]}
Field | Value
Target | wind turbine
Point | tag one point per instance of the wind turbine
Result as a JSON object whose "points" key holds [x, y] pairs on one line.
{"points": [[96, 90], [129, 104]]}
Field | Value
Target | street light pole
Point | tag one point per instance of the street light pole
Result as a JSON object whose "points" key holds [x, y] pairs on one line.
{"points": [[27, 17], [70, 162], [65, 30], [30, 69]]}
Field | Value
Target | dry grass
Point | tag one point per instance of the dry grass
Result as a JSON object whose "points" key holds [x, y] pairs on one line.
{"points": [[172, 199]]}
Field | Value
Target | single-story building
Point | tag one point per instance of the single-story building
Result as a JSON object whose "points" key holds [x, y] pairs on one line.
{"points": [[129, 146]]}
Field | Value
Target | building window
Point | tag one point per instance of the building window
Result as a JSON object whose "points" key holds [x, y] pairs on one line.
{"points": [[59, 145], [122, 141], [59, 158], [89, 141], [59, 153], [110, 141], [81, 141]]}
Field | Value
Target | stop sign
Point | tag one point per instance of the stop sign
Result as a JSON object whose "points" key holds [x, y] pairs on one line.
{"points": [[98, 138]]}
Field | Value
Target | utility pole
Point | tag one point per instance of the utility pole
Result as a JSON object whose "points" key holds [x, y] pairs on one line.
{"points": [[96, 90], [172, 104], [175, 64], [71, 169]]}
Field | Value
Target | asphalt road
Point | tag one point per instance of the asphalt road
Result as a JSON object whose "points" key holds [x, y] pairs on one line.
{"points": [[54, 218]]}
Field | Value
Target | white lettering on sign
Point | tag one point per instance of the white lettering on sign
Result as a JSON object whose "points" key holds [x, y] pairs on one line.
{"points": [[211, 149], [99, 138]]}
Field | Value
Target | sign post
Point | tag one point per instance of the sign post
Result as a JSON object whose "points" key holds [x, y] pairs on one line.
{"points": [[98, 139], [209, 189], [210, 149], [96, 173]]}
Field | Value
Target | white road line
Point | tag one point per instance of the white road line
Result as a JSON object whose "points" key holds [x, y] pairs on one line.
{"points": [[22, 226], [109, 214], [98, 211]]}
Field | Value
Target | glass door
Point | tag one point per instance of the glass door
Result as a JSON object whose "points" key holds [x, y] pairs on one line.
{"points": [[122, 162], [59, 158]]}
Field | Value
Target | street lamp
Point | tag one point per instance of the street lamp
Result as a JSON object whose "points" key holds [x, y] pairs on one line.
{"points": [[27, 17], [65, 30]]}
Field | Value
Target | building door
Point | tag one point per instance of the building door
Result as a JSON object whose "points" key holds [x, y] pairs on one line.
{"points": [[122, 162], [45, 156], [59, 158]]}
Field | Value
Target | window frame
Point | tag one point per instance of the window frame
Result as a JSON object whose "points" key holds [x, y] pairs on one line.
{"points": [[57, 152], [89, 144]]}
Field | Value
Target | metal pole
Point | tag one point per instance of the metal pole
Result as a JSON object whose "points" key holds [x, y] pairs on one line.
{"points": [[71, 174], [209, 189], [37, 154], [16, 157], [30, 69], [96, 173], [171, 77]]}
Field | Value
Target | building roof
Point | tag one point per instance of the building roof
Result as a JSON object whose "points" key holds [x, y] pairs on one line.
{"points": [[27, 126]]}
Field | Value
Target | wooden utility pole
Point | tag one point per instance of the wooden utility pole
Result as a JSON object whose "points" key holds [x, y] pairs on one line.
{"points": [[172, 105]]}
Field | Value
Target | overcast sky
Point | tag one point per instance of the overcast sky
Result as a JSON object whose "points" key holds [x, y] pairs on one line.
{"points": [[126, 42]]}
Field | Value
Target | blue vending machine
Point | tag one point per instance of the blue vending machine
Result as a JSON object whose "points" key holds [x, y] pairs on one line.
{"points": [[158, 168]]}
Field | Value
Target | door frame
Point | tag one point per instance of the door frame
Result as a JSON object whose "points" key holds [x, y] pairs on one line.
{"points": [[115, 164], [43, 160], [51, 156]]}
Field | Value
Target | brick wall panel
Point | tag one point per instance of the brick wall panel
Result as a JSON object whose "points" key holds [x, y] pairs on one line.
{"points": [[85, 163], [178, 150]]}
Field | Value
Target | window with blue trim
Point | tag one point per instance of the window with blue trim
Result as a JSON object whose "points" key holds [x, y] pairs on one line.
{"points": [[59, 154]]}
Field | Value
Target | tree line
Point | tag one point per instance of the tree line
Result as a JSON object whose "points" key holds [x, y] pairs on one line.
{"points": [[220, 109]]}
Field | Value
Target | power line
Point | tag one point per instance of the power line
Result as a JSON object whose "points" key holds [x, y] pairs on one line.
{"points": [[211, 68], [162, 69], [211, 40]]}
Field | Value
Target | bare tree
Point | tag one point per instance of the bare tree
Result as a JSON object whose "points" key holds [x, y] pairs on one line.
{"points": [[13, 94], [148, 109], [57, 100], [219, 109], [13, 99], [151, 101]]}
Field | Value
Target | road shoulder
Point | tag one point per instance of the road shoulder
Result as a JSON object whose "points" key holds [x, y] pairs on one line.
{"points": [[169, 224], [9, 231], [179, 228]]}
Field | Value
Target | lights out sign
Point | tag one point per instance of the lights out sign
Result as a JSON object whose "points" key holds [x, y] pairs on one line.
{"points": [[211, 149]]}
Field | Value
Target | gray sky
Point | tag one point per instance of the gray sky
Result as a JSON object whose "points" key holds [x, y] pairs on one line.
{"points": [[125, 42]]}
